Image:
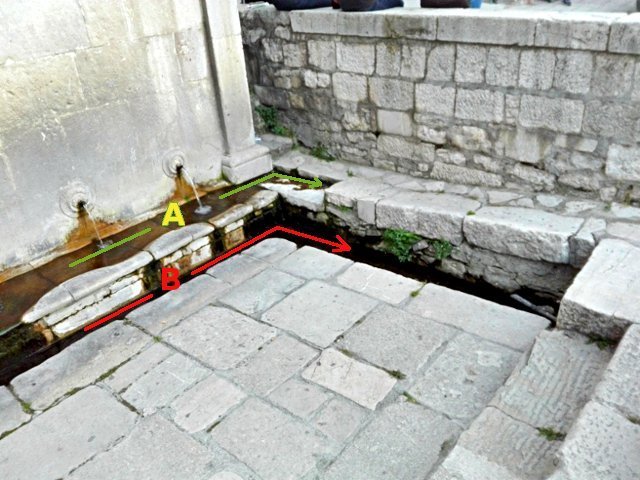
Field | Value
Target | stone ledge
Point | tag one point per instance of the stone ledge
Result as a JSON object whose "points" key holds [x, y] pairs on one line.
{"points": [[579, 31]]}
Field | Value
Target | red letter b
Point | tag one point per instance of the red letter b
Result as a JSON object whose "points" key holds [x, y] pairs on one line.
{"points": [[170, 279]]}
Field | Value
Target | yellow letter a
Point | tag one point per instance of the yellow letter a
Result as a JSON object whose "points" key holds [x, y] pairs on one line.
{"points": [[173, 215]]}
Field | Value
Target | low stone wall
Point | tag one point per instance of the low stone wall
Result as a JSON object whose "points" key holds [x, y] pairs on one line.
{"points": [[536, 101]]}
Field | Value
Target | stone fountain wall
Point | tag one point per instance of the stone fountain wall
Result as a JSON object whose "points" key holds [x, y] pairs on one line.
{"points": [[535, 101], [98, 98]]}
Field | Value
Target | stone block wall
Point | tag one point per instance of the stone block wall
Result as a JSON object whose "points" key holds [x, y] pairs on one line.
{"points": [[524, 100], [99, 97]]}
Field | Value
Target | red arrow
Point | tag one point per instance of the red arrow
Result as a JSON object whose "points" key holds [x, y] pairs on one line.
{"points": [[338, 247]]}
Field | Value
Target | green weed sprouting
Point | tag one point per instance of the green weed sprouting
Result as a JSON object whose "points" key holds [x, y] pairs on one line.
{"points": [[399, 243]]}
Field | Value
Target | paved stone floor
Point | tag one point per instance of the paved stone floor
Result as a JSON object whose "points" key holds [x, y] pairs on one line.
{"points": [[617, 6], [286, 363]]}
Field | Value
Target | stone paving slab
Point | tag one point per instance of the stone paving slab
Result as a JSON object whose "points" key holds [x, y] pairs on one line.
{"points": [[555, 383], [205, 403], [396, 340], [164, 382], [603, 445], [79, 365], [462, 464], [301, 398], [386, 286], [362, 383], [309, 262], [464, 378], [272, 364], [319, 312], [620, 385], [155, 450], [262, 291], [271, 250], [65, 436], [602, 301], [273, 444], [504, 325], [513, 445], [219, 337], [237, 269], [339, 418], [403, 442], [137, 366], [13, 414], [166, 311]]}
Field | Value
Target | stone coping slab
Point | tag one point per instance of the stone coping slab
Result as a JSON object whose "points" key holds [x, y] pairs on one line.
{"points": [[595, 31], [603, 299]]}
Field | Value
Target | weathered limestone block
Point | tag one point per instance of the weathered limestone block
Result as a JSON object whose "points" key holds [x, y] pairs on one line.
{"points": [[404, 441], [573, 71], [470, 138], [395, 123], [356, 58], [174, 240], [322, 54], [479, 105], [503, 64], [602, 445], [391, 93], [471, 62], [364, 384], [79, 364], [602, 301], [561, 115], [467, 176], [619, 387], [318, 22], [522, 232], [462, 463], [311, 199], [557, 380], [339, 418], [497, 28], [413, 62], [120, 378], [613, 75], [426, 214], [295, 55], [388, 59], [525, 146], [577, 32], [539, 179], [45, 432], [536, 69], [623, 163], [441, 63], [348, 192], [608, 119], [435, 99], [349, 87], [625, 35], [299, 397], [497, 323]]}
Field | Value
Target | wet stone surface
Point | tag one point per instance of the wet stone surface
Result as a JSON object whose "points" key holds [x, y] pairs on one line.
{"points": [[286, 362]]}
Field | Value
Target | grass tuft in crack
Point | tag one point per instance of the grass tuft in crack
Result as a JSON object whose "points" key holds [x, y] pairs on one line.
{"points": [[320, 151], [551, 434], [442, 249], [269, 116], [399, 243]]}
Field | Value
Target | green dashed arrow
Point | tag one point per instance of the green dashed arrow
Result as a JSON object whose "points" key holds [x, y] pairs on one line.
{"points": [[315, 183]]}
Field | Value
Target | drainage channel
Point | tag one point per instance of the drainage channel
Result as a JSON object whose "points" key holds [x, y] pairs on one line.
{"points": [[29, 351]]}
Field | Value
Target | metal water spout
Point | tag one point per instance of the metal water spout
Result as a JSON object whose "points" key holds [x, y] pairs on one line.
{"points": [[202, 209], [83, 206]]}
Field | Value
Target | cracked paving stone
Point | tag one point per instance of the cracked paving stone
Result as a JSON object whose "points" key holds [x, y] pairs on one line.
{"points": [[65, 436], [12, 413], [319, 312], [309, 262], [219, 337], [276, 446], [378, 283]]}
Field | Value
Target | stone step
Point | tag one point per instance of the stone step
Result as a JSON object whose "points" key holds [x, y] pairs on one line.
{"points": [[603, 299], [511, 239], [520, 431], [605, 440]]}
